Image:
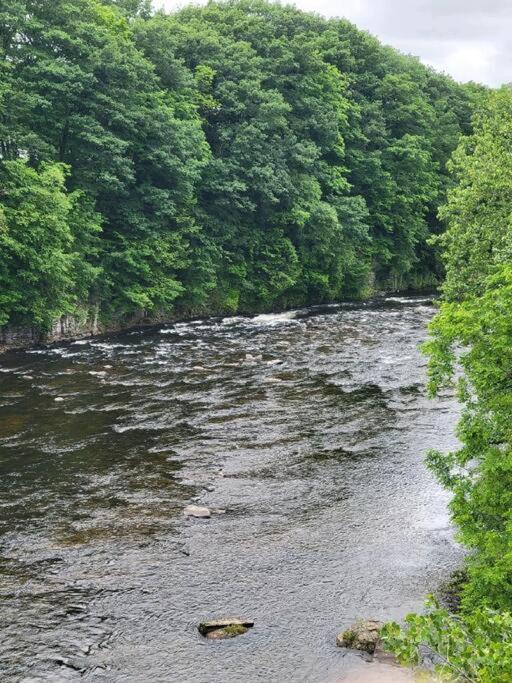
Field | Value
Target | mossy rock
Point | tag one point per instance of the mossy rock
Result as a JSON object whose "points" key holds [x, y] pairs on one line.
{"points": [[228, 632], [364, 636], [222, 629]]}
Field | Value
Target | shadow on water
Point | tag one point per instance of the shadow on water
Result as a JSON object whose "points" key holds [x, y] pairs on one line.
{"points": [[304, 432]]}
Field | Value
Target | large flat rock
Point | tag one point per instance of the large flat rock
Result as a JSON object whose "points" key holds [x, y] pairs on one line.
{"points": [[206, 627]]}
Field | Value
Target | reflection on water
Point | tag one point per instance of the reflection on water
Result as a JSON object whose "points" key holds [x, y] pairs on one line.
{"points": [[308, 428]]}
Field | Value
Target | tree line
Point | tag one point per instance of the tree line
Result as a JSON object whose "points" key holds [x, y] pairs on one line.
{"points": [[242, 156], [470, 350]]}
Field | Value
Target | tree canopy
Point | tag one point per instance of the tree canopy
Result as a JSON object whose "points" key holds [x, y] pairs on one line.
{"points": [[470, 350], [241, 156]]}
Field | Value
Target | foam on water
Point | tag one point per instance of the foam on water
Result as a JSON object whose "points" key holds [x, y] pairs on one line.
{"points": [[270, 319], [317, 460]]}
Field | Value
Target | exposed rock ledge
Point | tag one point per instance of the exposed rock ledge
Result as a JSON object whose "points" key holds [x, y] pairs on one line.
{"points": [[89, 324], [70, 328]]}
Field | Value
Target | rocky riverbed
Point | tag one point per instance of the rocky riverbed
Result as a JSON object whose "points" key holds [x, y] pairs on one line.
{"points": [[302, 434]]}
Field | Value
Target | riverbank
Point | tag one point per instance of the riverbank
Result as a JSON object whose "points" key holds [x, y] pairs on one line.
{"points": [[72, 328]]}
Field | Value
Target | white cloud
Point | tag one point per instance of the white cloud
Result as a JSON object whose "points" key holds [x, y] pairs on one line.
{"points": [[469, 39]]}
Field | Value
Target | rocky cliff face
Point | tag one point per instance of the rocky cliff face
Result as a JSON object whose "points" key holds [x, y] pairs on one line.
{"points": [[67, 327], [71, 327]]}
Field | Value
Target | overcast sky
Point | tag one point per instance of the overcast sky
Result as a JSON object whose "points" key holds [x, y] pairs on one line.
{"points": [[469, 39]]}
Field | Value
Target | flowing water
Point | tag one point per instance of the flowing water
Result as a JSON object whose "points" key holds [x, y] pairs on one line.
{"points": [[308, 429]]}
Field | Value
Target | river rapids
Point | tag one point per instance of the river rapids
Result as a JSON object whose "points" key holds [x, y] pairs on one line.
{"points": [[303, 432]]}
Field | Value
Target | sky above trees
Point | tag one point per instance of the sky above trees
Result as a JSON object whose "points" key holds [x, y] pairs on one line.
{"points": [[469, 39]]}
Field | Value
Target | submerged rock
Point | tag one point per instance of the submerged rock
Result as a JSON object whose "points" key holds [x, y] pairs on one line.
{"points": [[364, 636], [197, 511], [250, 358], [221, 629]]}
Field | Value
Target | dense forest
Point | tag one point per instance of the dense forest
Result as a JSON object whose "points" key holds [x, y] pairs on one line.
{"points": [[238, 157]]}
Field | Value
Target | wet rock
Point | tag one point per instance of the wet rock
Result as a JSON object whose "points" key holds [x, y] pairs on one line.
{"points": [[98, 373], [222, 629], [250, 358], [60, 660], [363, 635], [275, 361], [82, 647], [58, 399], [197, 511], [210, 489], [76, 608]]}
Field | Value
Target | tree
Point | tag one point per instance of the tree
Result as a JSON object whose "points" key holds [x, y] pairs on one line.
{"points": [[46, 238]]}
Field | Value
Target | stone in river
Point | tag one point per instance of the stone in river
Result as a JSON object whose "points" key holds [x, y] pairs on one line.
{"points": [[58, 399], [221, 629], [250, 358], [364, 635], [197, 511]]}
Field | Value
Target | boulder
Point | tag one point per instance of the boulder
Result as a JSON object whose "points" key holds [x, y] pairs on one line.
{"points": [[221, 629], [197, 511], [364, 635]]}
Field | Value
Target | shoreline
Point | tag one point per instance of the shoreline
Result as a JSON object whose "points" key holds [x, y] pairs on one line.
{"points": [[70, 328]]}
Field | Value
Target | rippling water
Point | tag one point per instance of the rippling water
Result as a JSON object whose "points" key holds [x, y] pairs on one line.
{"points": [[307, 428]]}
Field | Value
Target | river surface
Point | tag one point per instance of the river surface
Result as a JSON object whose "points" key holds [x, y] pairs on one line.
{"points": [[308, 429]]}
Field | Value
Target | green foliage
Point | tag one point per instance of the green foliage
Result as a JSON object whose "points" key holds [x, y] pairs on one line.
{"points": [[83, 94], [477, 649], [242, 156], [478, 214], [47, 238], [475, 337], [470, 350]]}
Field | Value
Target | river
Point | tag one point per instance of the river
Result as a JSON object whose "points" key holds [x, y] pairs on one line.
{"points": [[308, 429]]}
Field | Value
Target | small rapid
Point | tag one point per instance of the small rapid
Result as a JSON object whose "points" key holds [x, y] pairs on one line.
{"points": [[304, 433]]}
